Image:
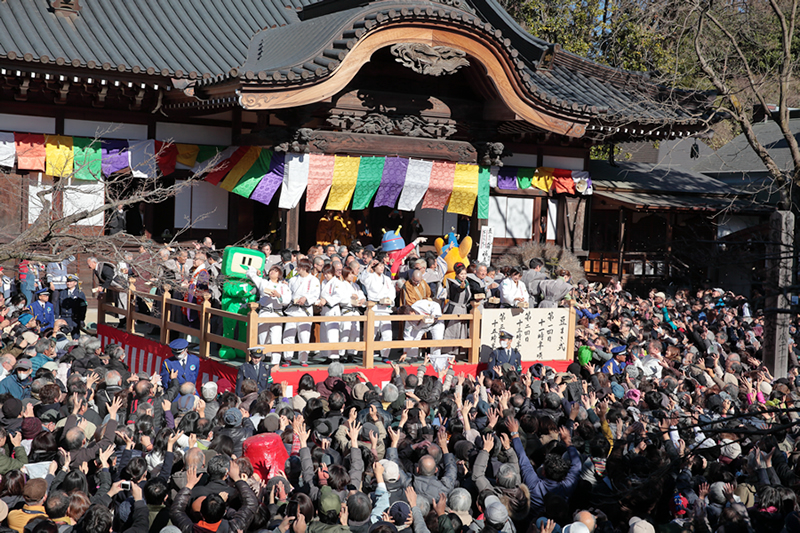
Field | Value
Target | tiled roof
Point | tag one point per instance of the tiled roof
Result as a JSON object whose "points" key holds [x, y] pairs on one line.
{"points": [[176, 38]]}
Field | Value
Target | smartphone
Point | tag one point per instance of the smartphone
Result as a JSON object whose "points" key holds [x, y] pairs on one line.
{"points": [[125, 485], [291, 508]]}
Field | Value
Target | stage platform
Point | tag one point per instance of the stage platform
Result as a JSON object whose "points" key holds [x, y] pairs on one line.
{"points": [[146, 355]]}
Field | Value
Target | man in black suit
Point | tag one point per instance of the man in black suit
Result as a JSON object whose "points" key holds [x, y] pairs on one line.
{"points": [[105, 276], [256, 369], [72, 305]]}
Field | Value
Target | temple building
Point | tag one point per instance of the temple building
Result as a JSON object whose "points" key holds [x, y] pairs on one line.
{"points": [[430, 114]]}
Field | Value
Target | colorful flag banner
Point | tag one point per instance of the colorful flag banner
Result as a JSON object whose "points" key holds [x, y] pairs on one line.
{"points": [[320, 178], [87, 158], [563, 182], [441, 185], [418, 176], [525, 177], [218, 167], [345, 177], [240, 168], [59, 157], [167, 157], [114, 155], [31, 153], [142, 159], [484, 187], [465, 190], [254, 175], [8, 149], [543, 178], [370, 171], [507, 178], [394, 176], [295, 180], [187, 154], [272, 180]]}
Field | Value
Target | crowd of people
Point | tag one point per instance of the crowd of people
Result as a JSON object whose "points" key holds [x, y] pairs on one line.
{"points": [[667, 419]]}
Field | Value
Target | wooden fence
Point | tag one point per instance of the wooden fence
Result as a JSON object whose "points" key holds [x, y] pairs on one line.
{"points": [[368, 345]]}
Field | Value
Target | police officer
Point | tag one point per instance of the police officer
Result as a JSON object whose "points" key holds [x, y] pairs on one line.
{"points": [[187, 365], [72, 303], [505, 354], [256, 369], [43, 310]]}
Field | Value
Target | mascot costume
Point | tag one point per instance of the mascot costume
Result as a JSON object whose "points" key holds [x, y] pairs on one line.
{"points": [[395, 247], [453, 252], [237, 292]]}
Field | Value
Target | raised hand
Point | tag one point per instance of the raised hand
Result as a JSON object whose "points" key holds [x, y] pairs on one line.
{"points": [[488, 443]]}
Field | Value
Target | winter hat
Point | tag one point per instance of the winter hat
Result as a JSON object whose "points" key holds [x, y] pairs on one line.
{"points": [[634, 394], [329, 500], [400, 511], [730, 449], [575, 527], [12, 408], [224, 385], [209, 390], [639, 525], [359, 391], [391, 472], [496, 513], [272, 422], [233, 417]]}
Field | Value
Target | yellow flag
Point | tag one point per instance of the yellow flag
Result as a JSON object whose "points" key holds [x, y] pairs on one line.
{"points": [[465, 190], [241, 168], [58, 156]]}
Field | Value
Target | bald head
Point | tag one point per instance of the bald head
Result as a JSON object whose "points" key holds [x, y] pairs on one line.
{"points": [[587, 519], [427, 466], [416, 277], [195, 458]]}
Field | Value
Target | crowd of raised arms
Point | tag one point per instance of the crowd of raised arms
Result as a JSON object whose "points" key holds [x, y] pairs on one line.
{"points": [[666, 420]]}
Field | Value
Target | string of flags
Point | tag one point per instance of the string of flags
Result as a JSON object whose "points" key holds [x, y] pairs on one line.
{"points": [[259, 173]]}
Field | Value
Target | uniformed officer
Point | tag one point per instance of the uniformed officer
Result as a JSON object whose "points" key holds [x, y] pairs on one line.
{"points": [[505, 354], [43, 310], [187, 365], [256, 369]]}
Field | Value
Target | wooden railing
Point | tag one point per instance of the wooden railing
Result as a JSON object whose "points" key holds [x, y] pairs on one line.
{"points": [[368, 345]]}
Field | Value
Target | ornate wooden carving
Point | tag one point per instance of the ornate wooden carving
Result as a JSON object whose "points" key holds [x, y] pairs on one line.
{"points": [[388, 124], [429, 60], [306, 140]]}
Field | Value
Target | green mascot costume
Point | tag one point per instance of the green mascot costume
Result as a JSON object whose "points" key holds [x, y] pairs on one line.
{"points": [[237, 292]]}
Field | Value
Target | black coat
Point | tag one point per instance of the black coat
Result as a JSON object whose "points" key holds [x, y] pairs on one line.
{"points": [[248, 371]]}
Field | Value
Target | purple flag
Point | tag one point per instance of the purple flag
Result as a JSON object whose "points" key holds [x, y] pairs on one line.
{"points": [[394, 177], [507, 178], [114, 156], [271, 181]]}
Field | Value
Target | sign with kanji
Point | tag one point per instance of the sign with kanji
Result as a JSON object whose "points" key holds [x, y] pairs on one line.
{"points": [[485, 246], [539, 334]]}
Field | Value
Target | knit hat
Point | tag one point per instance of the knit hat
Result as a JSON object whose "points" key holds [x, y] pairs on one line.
{"points": [[34, 490], [224, 385], [496, 513], [329, 500], [391, 472], [617, 390], [400, 511], [233, 417], [186, 402], [634, 394], [12, 408], [30, 428], [382, 524]]}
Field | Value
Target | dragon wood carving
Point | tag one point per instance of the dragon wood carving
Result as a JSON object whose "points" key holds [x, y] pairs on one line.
{"points": [[429, 60]]}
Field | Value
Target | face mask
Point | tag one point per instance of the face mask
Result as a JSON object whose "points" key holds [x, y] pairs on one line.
{"points": [[505, 344], [23, 375], [182, 357]]}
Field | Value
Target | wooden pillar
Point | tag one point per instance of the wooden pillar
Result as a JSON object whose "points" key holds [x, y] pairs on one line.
{"points": [[475, 334], [537, 219], [292, 240], [779, 279], [369, 336], [204, 325], [580, 223], [252, 327], [129, 308], [166, 310]]}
